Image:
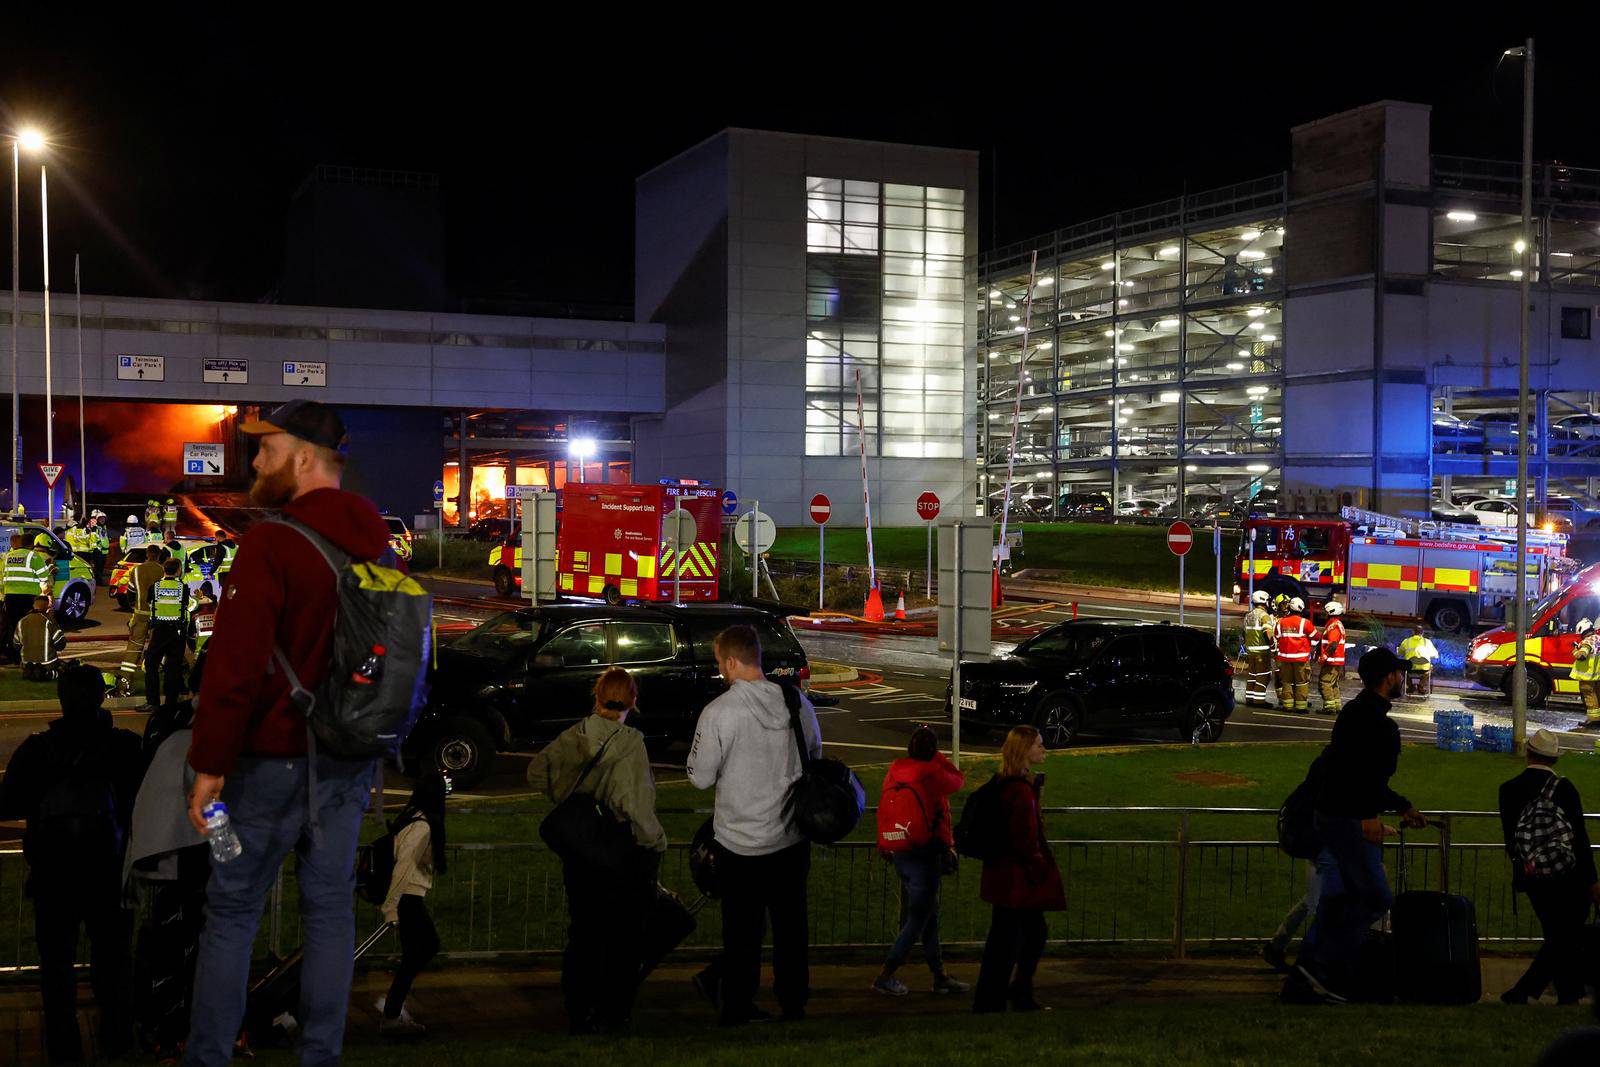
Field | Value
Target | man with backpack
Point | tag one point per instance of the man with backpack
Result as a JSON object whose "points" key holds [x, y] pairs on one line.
{"points": [[1542, 817], [276, 621], [75, 785], [744, 745]]}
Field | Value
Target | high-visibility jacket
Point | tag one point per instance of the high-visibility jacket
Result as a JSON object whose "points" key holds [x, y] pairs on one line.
{"points": [[226, 563], [80, 540], [1419, 652], [1333, 643], [145, 577], [203, 619], [169, 514], [177, 553], [28, 572], [1586, 659], [41, 639], [1294, 634], [152, 514], [1258, 630], [102, 540], [134, 537], [169, 600]]}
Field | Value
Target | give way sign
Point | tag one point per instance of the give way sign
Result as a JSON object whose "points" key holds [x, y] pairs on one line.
{"points": [[51, 472], [1180, 538]]}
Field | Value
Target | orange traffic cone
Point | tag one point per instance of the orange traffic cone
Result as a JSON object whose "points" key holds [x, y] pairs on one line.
{"points": [[995, 599], [900, 608], [873, 612]]}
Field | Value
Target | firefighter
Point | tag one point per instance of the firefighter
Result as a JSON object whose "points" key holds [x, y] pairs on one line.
{"points": [[164, 662], [202, 619], [1332, 670], [1258, 651], [1586, 669], [169, 519], [1293, 634], [152, 514], [1419, 654], [41, 642], [133, 535], [145, 577]]}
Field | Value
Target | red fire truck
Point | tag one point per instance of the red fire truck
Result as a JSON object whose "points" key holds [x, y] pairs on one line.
{"points": [[1453, 576], [610, 544]]}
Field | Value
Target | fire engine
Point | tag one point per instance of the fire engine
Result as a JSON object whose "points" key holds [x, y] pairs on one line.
{"points": [[1453, 576], [1552, 634], [610, 543]]}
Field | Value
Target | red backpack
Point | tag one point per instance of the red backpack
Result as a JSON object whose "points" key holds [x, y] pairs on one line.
{"points": [[903, 822]]}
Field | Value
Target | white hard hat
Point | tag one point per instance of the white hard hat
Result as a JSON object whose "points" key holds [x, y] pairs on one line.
{"points": [[1260, 597], [133, 520], [1583, 627], [1297, 604], [1334, 608]]}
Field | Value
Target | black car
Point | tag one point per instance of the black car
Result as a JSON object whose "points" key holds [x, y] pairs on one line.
{"points": [[1085, 506], [523, 676], [1092, 674]]}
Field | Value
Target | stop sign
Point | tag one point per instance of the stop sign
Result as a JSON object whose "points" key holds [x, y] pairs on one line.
{"points": [[1180, 538], [821, 508], [928, 507]]}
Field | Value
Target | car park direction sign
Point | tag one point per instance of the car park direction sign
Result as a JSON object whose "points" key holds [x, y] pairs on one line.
{"points": [[202, 459]]}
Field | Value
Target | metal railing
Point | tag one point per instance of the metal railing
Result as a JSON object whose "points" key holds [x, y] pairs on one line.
{"points": [[1187, 879]]}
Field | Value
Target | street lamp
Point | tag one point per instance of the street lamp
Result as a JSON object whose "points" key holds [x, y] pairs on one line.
{"points": [[580, 449], [1519, 669], [32, 140]]}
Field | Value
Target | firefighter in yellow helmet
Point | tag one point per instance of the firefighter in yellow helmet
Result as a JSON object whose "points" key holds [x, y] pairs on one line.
{"points": [[1586, 669], [1258, 650]]}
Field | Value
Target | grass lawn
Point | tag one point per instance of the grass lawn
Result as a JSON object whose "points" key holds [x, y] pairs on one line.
{"points": [[14, 687], [1134, 557], [1157, 1033]]}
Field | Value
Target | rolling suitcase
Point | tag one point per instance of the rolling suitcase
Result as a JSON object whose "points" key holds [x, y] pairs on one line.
{"points": [[1435, 948], [275, 997], [667, 922]]}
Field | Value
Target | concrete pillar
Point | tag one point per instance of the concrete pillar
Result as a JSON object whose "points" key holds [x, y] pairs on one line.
{"points": [[463, 474]]}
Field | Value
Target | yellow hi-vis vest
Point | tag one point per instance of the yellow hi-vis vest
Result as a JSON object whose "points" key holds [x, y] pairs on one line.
{"points": [[1419, 652], [27, 572], [1586, 659], [1258, 630], [166, 600]]}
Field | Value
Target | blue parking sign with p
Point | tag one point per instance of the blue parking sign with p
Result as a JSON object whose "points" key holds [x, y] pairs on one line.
{"points": [[288, 368], [125, 361], [195, 466]]}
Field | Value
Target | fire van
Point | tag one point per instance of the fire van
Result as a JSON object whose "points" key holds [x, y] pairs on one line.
{"points": [[1552, 634], [1454, 577], [610, 544]]}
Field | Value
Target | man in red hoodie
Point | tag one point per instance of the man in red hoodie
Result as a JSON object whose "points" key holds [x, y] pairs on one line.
{"points": [[249, 744]]}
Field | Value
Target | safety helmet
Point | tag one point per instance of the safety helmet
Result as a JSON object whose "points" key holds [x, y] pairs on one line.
{"points": [[1260, 597], [1334, 608], [133, 520], [1583, 627], [170, 500], [1297, 605], [43, 541], [1280, 602]]}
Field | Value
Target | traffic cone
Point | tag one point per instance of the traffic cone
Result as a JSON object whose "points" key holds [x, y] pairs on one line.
{"points": [[995, 599], [873, 612], [900, 608]]}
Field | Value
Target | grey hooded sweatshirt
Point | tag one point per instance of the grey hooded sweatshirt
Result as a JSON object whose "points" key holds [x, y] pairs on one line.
{"points": [[745, 747]]}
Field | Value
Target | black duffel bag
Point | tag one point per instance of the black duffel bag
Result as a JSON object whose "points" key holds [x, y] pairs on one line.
{"points": [[582, 830], [827, 800]]}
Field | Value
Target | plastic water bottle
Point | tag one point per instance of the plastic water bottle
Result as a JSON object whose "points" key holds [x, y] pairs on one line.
{"points": [[219, 833], [371, 668]]}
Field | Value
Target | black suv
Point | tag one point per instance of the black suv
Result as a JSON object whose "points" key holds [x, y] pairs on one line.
{"points": [[523, 676], [1088, 674]]}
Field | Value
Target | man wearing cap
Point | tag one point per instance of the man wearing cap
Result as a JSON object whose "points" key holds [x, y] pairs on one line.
{"points": [[1354, 790], [1560, 880], [249, 742]]}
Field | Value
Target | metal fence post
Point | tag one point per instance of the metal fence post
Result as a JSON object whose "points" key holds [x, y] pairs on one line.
{"points": [[1179, 949], [1444, 854]]}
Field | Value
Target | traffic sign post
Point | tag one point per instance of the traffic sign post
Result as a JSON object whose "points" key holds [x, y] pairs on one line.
{"points": [[730, 502], [681, 530], [1216, 550], [438, 530], [927, 511], [821, 509], [52, 474], [755, 536], [1180, 538]]}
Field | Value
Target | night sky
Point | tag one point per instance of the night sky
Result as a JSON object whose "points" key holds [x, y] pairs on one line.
{"points": [[180, 145]]}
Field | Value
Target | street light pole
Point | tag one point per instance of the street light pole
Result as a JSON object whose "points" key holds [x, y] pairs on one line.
{"points": [[16, 302], [1519, 668], [49, 402], [83, 449]]}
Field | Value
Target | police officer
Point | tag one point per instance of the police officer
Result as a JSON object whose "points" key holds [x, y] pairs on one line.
{"points": [[133, 535], [164, 662], [41, 641], [1332, 669], [102, 545], [81, 541], [1586, 670], [1258, 650], [142, 585], [223, 552], [19, 589], [175, 550], [152, 515], [169, 519], [1293, 634]]}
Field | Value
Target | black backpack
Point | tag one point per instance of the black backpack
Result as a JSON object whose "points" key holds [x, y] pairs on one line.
{"points": [[980, 833], [375, 868], [76, 822], [1297, 827], [827, 800]]}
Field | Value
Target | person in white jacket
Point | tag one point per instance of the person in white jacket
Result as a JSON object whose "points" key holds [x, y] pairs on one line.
{"points": [[418, 855], [744, 745]]}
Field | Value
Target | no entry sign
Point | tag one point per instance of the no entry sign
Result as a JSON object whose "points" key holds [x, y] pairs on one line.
{"points": [[821, 508], [1180, 538], [927, 507]]}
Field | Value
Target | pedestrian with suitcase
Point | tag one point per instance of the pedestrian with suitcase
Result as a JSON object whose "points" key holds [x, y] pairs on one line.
{"points": [[1020, 880], [1353, 790], [915, 834], [1541, 815], [605, 831], [419, 854]]}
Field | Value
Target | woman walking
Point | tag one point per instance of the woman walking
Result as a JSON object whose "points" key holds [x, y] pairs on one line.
{"points": [[603, 757], [418, 855], [1021, 881], [926, 778]]}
